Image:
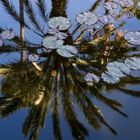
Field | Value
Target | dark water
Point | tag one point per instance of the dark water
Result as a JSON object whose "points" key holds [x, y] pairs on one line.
{"points": [[72, 107]]}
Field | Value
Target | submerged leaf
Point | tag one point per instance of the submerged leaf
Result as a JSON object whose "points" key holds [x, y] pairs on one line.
{"points": [[52, 42], [67, 51], [60, 23]]}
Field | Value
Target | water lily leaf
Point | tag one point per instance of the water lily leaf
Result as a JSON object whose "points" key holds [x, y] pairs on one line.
{"points": [[133, 63], [91, 77], [106, 19], [113, 71], [98, 25], [33, 57], [110, 79], [8, 34], [87, 18], [133, 37], [137, 61], [126, 3], [60, 23], [57, 33], [52, 42], [111, 7], [1, 41], [121, 66], [67, 51]]}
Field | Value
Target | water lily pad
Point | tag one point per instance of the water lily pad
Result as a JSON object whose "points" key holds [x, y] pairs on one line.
{"points": [[33, 57], [126, 3], [110, 79], [67, 51], [106, 19], [52, 42], [57, 33], [98, 25], [8, 34], [121, 66], [113, 71], [87, 18], [111, 6], [60, 23], [133, 63], [91, 77], [133, 37]]}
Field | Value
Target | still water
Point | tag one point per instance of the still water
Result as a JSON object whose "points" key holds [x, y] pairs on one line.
{"points": [[57, 96]]}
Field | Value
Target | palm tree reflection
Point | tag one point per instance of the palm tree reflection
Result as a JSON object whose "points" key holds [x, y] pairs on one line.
{"points": [[24, 87]]}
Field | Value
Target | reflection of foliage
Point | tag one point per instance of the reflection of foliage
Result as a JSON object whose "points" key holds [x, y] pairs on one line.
{"points": [[137, 13], [58, 84], [60, 91]]}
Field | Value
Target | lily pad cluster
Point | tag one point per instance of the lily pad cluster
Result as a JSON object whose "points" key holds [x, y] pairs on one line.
{"points": [[117, 70], [53, 43], [56, 40], [8, 34], [90, 20]]}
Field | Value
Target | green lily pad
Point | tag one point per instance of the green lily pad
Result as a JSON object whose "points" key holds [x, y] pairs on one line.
{"points": [[52, 42], [67, 51], [60, 23]]}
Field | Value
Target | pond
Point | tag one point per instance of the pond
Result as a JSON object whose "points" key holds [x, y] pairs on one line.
{"points": [[69, 69]]}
